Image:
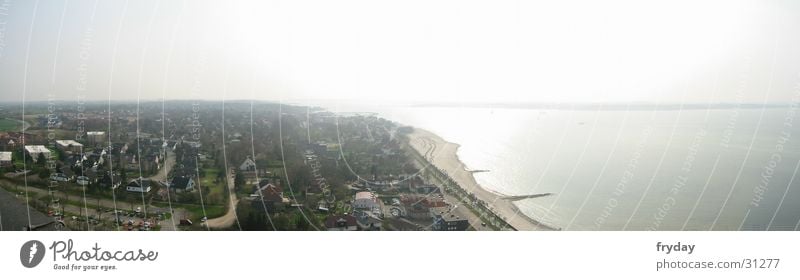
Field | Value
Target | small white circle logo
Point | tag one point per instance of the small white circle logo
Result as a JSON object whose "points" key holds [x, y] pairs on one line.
{"points": [[31, 253]]}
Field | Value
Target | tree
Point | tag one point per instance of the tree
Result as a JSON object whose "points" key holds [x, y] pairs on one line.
{"points": [[44, 174], [238, 180], [41, 159], [220, 174], [123, 175], [300, 222], [281, 222]]}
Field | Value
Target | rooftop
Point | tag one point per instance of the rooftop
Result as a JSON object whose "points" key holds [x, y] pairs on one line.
{"points": [[36, 149], [336, 221], [69, 143], [5, 156], [440, 210], [452, 218], [365, 195]]}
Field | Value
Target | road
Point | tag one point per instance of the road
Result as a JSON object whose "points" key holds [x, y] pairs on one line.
{"points": [[161, 176], [93, 202], [460, 209], [227, 220], [108, 208]]}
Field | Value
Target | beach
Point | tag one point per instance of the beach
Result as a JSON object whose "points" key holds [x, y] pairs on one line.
{"points": [[443, 155]]}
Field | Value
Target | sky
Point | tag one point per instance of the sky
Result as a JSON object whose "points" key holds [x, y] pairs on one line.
{"points": [[401, 51]]}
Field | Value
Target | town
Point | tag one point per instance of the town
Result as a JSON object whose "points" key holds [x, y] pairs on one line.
{"points": [[196, 165]]}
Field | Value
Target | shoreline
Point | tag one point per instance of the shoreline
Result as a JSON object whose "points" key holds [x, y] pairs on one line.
{"points": [[444, 156]]}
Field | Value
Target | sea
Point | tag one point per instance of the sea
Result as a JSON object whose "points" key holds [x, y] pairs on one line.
{"points": [[730, 168]]}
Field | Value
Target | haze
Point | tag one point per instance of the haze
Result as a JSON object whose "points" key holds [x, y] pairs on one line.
{"points": [[393, 51]]}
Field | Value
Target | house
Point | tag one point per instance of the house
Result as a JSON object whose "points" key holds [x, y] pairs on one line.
{"points": [[182, 184], [341, 223], [248, 165], [251, 177], [6, 159], [449, 222], [141, 185], [268, 196], [368, 221], [96, 137], [34, 151], [365, 201], [418, 207], [69, 146]]}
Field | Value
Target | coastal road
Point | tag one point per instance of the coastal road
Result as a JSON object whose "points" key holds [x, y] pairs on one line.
{"points": [[227, 220], [427, 147], [443, 154]]}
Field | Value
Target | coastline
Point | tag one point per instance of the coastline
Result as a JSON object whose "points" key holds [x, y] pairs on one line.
{"points": [[443, 155]]}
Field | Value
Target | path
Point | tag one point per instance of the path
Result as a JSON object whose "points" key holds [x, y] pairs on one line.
{"points": [[227, 220]]}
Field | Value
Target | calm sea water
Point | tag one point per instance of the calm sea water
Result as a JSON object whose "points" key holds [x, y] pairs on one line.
{"points": [[725, 169]]}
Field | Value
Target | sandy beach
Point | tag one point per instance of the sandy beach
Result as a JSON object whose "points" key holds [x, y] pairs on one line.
{"points": [[442, 154]]}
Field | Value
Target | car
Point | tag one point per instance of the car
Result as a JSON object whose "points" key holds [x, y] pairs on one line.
{"points": [[59, 177], [82, 180]]}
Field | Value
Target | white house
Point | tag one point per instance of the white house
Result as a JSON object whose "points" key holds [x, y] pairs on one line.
{"points": [[96, 137], [365, 200], [70, 146], [140, 185], [248, 165], [35, 150], [6, 159]]}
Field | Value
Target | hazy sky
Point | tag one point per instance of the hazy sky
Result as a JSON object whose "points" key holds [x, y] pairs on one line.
{"points": [[498, 51]]}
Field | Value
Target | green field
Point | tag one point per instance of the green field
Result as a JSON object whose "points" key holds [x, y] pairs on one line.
{"points": [[9, 125]]}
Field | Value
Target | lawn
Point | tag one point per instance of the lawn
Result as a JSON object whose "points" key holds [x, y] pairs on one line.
{"points": [[216, 190], [9, 125], [196, 210]]}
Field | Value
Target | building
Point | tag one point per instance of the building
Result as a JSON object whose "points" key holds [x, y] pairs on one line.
{"points": [[141, 185], [341, 223], [6, 159], [96, 137], [418, 206], [34, 151], [182, 184], [248, 165], [368, 221], [252, 177], [269, 196], [449, 222], [69, 146], [365, 201]]}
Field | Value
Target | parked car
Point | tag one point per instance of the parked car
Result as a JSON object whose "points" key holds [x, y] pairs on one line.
{"points": [[59, 177], [82, 180]]}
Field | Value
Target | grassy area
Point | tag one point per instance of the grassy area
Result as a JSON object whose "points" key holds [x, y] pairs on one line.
{"points": [[196, 210], [9, 125], [216, 190]]}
